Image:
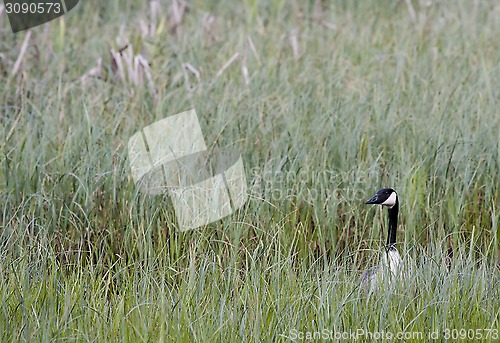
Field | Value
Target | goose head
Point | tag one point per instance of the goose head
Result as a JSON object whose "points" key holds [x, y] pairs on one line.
{"points": [[385, 197]]}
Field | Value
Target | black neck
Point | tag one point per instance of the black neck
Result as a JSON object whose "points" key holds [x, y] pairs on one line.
{"points": [[393, 225]]}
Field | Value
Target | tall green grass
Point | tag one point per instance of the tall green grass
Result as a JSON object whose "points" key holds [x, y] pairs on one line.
{"points": [[341, 99]]}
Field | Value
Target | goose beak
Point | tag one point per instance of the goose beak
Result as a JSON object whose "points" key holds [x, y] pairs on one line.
{"points": [[373, 200]]}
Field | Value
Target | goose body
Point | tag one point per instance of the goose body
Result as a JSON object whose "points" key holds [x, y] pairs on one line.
{"points": [[390, 261]]}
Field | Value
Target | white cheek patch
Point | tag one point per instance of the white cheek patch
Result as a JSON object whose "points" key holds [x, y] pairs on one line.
{"points": [[391, 200]]}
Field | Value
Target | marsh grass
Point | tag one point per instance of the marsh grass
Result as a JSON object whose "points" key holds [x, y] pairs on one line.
{"points": [[326, 102]]}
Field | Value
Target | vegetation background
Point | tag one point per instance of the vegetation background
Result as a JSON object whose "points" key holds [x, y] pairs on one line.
{"points": [[327, 101]]}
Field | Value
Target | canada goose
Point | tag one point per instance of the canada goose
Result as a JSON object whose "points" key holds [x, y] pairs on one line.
{"points": [[391, 259]]}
